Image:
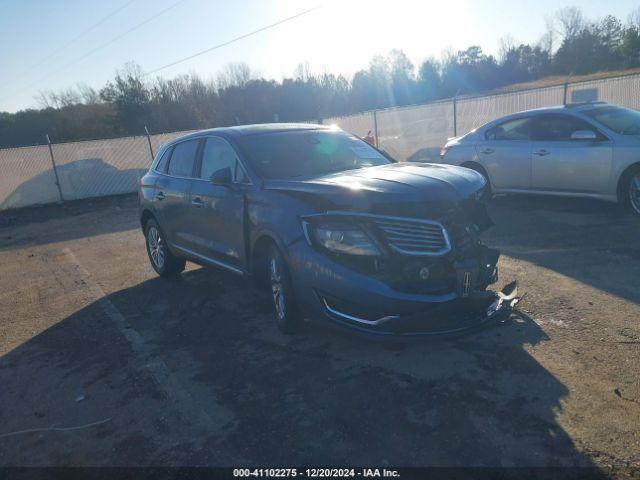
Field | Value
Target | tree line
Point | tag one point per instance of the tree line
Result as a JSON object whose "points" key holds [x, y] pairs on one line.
{"points": [[571, 44]]}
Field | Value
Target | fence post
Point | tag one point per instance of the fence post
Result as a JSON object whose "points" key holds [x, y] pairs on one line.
{"points": [[455, 115], [146, 130], [375, 127], [566, 87], [55, 169]]}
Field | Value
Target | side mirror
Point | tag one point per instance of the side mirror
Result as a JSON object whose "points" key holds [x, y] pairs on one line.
{"points": [[583, 135], [222, 177]]}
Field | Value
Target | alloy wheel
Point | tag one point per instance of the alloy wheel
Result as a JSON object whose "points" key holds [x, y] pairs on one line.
{"points": [[277, 289], [156, 247]]}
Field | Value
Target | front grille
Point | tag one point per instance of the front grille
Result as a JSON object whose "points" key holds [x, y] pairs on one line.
{"points": [[415, 237]]}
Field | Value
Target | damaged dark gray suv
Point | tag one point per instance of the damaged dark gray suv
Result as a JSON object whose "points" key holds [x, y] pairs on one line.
{"points": [[331, 226]]}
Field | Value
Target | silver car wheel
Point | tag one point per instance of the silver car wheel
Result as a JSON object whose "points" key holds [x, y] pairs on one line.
{"points": [[156, 247], [277, 290], [634, 192]]}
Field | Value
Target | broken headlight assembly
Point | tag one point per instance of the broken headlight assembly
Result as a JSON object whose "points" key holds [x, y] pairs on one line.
{"points": [[341, 238]]}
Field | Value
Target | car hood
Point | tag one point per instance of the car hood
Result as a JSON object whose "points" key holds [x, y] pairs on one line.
{"points": [[388, 189]]}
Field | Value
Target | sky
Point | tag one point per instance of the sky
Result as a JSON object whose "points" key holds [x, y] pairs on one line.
{"points": [[56, 44]]}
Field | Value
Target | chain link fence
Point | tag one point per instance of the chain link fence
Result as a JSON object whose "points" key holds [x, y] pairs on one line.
{"points": [[76, 170], [26, 177], [359, 124], [414, 133], [474, 112]]}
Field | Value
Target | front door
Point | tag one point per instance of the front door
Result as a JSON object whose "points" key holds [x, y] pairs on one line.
{"points": [[217, 211], [563, 162], [506, 154]]}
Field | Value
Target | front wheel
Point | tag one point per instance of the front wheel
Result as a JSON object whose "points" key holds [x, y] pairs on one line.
{"points": [[285, 309], [162, 260], [632, 191]]}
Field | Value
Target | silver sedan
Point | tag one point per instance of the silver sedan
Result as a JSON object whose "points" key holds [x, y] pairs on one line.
{"points": [[587, 150]]}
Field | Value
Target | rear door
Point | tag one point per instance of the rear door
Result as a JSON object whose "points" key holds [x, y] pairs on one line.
{"points": [[565, 164], [216, 214], [505, 152], [172, 192]]}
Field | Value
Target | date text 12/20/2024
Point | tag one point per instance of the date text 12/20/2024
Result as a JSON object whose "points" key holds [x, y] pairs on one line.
{"points": [[315, 472]]}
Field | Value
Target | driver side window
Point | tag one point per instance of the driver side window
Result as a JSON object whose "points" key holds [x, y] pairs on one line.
{"points": [[560, 128], [216, 155]]}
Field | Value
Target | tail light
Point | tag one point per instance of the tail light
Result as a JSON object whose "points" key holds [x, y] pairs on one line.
{"points": [[444, 150]]}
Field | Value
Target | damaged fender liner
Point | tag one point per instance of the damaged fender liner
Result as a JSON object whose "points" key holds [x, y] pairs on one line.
{"points": [[448, 318]]}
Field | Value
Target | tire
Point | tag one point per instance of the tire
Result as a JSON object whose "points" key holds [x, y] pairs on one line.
{"points": [[486, 193], [631, 191], [285, 308], [165, 263]]}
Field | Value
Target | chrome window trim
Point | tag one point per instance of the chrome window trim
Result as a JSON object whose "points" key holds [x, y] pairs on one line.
{"points": [[174, 176], [173, 145], [238, 161]]}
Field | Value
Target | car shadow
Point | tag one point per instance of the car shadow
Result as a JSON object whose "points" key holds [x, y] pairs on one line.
{"points": [[591, 241], [41, 225], [320, 397]]}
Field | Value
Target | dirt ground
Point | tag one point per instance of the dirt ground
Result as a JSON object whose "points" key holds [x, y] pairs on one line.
{"points": [[104, 363]]}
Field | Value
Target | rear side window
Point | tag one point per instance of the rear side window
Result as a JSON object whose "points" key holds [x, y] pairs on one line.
{"points": [[183, 158], [559, 128], [518, 129], [164, 161]]}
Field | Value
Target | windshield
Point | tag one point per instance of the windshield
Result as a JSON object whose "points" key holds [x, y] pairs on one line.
{"points": [[307, 153], [623, 121]]}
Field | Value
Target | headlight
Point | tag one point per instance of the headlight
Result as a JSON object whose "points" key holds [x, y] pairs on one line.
{"points": [[343, 239]]}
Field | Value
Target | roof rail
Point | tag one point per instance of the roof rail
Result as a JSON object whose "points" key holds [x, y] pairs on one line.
{"points": [[580, 104]]}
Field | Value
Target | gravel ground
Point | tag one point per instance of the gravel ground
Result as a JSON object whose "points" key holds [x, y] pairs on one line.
{"points": [[193, 372]]}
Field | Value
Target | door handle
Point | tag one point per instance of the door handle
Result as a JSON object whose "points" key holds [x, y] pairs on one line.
{"points": [[542, 152], [160, 196], [486, 151], [197, 202]]}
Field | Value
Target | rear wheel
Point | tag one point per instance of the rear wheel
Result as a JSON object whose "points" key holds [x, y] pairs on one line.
{"points": [[631, 191], [162, 260], [285, 309]]}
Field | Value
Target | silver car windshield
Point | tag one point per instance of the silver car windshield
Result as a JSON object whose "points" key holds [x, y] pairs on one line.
{"points": [[623, 121]]}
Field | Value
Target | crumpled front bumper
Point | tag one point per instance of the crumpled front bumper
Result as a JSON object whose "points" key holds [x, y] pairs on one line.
{"points": [[330, 290], [455, 316]]}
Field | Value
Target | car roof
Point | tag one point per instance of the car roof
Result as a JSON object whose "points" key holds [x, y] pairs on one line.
{"points": [[562, 108], [260, 128], [569, 107]]}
